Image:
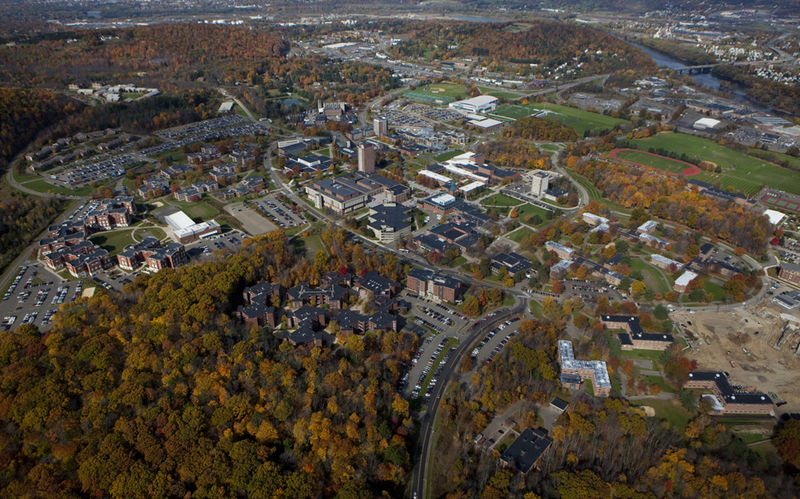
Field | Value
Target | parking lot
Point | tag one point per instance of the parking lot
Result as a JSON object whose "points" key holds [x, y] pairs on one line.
{"points": [[279, 212], [445, 323], [251, 221], [34, 296], [589, 291], [204, 249], [495, 340]]}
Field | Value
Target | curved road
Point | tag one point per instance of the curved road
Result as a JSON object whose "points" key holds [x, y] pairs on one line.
{"points": [[425, 443]]}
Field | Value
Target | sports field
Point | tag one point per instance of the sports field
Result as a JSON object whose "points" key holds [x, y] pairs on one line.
{"points": [[740, 171], [437, 93], [578, 119]]}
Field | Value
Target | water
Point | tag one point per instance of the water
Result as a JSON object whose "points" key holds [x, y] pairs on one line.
{"points": [[666, 61]]}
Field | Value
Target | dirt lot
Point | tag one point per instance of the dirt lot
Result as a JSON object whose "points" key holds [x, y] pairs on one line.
{"points": [[750, 358], [251, 221]]}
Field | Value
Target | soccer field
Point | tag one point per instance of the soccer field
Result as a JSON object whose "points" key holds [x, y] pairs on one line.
{"points": [[740, 171], [572, 117]]}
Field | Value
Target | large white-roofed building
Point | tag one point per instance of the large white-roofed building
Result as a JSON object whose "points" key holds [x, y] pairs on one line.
{"points": [[479, 104], [185, 230]]}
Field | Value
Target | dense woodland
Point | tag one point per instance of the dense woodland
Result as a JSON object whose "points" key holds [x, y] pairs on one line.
{"points": [[158, 392], [22, 218], [774, 94], [601, 447], [540, 129], [515, 153], [526, 46], [167, 54], [666, 197], [24, 112]]}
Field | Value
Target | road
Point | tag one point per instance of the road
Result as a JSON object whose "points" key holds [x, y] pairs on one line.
{"points": [[427, 423], [16, 185], [228, 95]]}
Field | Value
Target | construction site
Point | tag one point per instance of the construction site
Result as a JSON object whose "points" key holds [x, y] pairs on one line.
{"points": [[759, 346]]}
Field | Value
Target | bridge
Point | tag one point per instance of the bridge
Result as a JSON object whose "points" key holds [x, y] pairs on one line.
{"points": [[706, 68]]}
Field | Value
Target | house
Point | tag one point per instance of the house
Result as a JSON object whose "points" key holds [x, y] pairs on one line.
{"points": [[306, 335], [727, 400], [315, 316], [526, 451]]}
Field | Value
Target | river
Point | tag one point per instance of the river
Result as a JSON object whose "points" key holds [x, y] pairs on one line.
{"points": [[667, 61]]}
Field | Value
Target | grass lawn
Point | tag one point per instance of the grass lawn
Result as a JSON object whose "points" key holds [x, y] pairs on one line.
{"points": [[437, 93], [716, 290], [500, 200], [587, 383], [499, 93], [536, 309], [652, 277], [520, 234], [660, 381], [740, 171], [672, 411], [200, 209], [313, 244], [42, 185], [448, 155], [458, 261], [113, 241], [572, 117], [532, 210], [24, 177], [654, 161], [550, 147], [172, 156], [153, 231]]}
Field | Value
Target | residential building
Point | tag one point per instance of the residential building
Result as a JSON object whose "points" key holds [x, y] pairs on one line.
{"points": [[682, 282], [427, 283], [111, 213], [727, 400], [380, 126], [593, 370], [439, 204], [258, 315], [595, 220], [790, 272], [636, 338], [665, 263], [562, 251], [540, 182], [366, 158], [334, 296]]}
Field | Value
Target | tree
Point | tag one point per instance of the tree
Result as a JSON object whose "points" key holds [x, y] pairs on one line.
{"points": [[638, 288], [661, 312]]}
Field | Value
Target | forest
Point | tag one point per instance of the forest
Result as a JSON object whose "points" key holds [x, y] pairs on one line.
{"points": [[515, 153], [540, 129], [166, 54], [24, 112], [666, 197], [159, 392], [601, 447], [774, 94], [526, 46]]}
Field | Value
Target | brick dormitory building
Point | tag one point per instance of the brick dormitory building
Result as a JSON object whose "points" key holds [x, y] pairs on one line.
{"points": [[725, 399], [636, 338]]}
